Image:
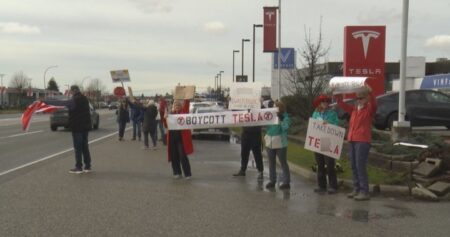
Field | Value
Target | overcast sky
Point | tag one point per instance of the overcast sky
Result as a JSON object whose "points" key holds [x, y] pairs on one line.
{"points": [[165, 42]]}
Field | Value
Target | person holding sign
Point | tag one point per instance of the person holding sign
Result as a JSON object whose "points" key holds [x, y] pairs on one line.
{"points": [[123, 117], [180, 144], [276, 145], [327, 115], [359, 137]]}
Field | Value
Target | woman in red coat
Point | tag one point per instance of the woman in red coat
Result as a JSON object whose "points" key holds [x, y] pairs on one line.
{"points": [[180, 144]]}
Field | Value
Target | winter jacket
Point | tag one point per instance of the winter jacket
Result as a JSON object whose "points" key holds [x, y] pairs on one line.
{"points": [[79, 113], [360, 125], [149, 114], [328, 115], [280, 129]]}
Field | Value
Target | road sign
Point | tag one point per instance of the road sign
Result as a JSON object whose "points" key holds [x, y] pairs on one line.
{"points": [[119, 91], [241, 78]]}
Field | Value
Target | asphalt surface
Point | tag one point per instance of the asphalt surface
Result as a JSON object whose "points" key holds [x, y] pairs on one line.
{"points": [[132, 193]]}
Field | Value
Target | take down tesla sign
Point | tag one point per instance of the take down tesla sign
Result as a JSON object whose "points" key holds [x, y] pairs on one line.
{"points": [[364, 51]]}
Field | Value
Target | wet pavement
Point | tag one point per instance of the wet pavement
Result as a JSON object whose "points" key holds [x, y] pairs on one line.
{"points": [[131, 193]]}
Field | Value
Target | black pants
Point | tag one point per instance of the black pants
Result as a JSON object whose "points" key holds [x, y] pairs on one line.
{"points": [[323, 172], [152, 136], [81, 147], [122, 126], [251, 144], [178, 156]]}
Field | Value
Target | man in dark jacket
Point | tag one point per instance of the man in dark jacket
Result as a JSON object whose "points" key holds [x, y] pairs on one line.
{"points": [[251, 141], [80, 124]]}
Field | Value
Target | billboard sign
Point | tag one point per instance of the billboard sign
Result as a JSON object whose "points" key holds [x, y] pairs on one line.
{"points": [[241, 78], [436, 81], [287, 59], [364, 52], [270, 29]]}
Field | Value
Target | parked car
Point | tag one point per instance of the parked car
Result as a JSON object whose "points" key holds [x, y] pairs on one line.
{"points": [[423, 108], [222, 133], [113, 105], [60, 118], [103, 105]]}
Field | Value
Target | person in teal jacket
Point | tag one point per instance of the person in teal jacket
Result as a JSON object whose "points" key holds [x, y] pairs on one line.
{"points": [[281, 129], [325, 165]]}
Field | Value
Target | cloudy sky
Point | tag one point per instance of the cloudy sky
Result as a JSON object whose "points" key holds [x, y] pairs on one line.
{"points": [[165, 42]]}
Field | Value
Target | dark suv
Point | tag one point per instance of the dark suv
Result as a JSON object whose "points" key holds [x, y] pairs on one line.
{"points": [[60, 118]]}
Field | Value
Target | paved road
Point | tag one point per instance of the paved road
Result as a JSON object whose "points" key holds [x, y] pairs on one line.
{"points": [[131, 193], [19, 148]]}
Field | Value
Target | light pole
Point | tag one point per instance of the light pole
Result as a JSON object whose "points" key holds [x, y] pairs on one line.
{"points": [[2, 91], [215, 86], [234, 51], [243, 40], [45, 84], [254, 26], [279, 49], [220, 80]]}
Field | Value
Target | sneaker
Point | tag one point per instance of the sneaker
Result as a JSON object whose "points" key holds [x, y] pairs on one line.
{"points": [[332, 191], [260, 176], [241, 173], [145, 148], [362, 197], [285, 186], [76, 171], [188, 177], [87, 170], [353, 194], [320, 190], [270, 185], [177, 176]]}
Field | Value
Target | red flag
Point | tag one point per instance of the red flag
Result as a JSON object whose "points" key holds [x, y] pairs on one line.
{"points": [[36, 107], [270, 29]]}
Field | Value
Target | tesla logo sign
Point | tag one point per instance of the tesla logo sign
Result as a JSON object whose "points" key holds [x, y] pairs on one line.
{"points": [[364, 51], [365, 36], [270, 14]]}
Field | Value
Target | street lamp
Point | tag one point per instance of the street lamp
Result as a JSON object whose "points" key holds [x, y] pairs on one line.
{"points": [[45, 84], [220, 79], [243, 40], [234, 51], [254, 26]]}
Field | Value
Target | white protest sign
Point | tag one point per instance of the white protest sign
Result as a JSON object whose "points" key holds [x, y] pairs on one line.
{"points": [[258, 117], [326, 139], [343, 85], [245, 96], [120, 76]]}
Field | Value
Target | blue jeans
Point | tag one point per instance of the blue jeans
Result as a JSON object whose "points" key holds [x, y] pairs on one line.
{"points": [[359, 154], [81, 147], [282, 157], [137, 129]]}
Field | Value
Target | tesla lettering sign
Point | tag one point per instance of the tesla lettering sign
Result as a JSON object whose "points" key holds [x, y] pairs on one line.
{"points": [[364, 51], [259, 117], [326, 139], [120, 76], [287, 59], [270, 29]]}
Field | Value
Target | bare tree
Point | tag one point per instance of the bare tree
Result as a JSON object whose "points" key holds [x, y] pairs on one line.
{"points": [[94, 89], [20, 81], [310, 81]]}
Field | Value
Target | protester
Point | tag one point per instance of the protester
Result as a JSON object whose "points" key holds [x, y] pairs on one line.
{"points": [[80, 124], [180, 144], [136, 117], [149, 125], [327, 115], [123, 117], [162, 108], [277, 135], [359, 138]]}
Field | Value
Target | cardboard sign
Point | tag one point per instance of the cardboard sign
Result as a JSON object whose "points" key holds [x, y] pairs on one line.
{"points": [[120, 76], [326, 139], [346, 85], [245, 96], [184, 92], [260, 117]]}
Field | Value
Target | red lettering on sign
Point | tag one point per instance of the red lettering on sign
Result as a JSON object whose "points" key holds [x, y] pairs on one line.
{"points": [[310, 140], [336, 150], [317, 143]]}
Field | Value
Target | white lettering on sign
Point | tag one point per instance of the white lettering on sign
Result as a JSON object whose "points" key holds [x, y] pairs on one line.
{"points": [[365, 71], [257, 117], [326, 139]]}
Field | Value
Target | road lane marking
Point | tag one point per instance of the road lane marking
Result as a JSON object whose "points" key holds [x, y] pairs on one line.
{"points": [[56, 154], [22, 134]]}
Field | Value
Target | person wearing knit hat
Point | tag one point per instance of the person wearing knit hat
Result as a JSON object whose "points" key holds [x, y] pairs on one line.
{"points": [[327, 115]]}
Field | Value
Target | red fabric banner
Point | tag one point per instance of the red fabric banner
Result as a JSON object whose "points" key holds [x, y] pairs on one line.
{"points": [[364, 51], [270, 29]]}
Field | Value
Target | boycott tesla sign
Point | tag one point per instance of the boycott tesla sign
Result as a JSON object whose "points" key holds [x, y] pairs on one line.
{"points": [[326, 139], [364, 50], [256, 117]]}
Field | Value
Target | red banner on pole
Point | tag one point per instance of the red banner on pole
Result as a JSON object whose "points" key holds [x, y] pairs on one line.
{"points": [[270, 29], [364, 51]]}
